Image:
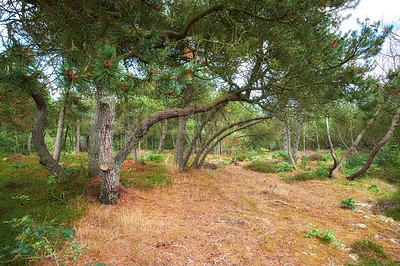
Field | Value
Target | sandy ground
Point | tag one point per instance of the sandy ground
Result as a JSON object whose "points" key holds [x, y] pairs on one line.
{"points": [[233, 216]]}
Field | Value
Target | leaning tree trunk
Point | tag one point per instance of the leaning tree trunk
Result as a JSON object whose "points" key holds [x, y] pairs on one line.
{"points": [[163, 135], [335, 162], [289, 149], [94, 143], [39, 125], [78, 135], [377, 148], [355, 143], [109, 171], [60, 127]]}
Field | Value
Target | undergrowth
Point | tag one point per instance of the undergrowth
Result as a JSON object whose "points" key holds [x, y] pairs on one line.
{"points": [[370, 253], [262, 166], [28, 190], [151, 176]]}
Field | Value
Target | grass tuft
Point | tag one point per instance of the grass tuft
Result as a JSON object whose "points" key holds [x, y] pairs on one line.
{"points": [[263, 166]]}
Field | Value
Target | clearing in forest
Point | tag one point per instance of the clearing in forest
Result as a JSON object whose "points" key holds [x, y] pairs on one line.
{"points": [[235, 216]]}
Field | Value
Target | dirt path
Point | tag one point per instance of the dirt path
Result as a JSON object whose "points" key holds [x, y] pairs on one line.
{"points": [[233, 216]]}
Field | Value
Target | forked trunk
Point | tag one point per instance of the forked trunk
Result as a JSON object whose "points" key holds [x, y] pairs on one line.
{"points": [[355, 143], [330, 147], [39, 125], [377, 148]]}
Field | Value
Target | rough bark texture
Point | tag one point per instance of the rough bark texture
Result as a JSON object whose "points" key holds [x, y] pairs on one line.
{"points": [[335, 162], [30, 143], [78, 136], [163, 135], [109, 171], [60, 127], [355, 143], [94, 143], [377, 148], [180, 140], [39, 125]]}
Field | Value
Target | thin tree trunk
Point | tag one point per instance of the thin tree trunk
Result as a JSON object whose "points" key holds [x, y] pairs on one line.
{"points": [[60, 127], [355, 143], [39, 125], [94, 143], [109, 170], [297, 135], [30, 143], [78, 135], [163, 135], [335, 162], [289, 149], [377, 148], [65, 138]]}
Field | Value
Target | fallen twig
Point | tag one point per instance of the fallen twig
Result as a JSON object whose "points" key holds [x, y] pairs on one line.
{"points": [[286, 203], [223, 257]]}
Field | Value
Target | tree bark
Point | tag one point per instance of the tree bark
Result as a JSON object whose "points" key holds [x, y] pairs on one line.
{"points": [[180, 140], [163, 135], [289, 149], [60, 127], [78, 136], [378, 147], [39, 125], [30, 143], [335, 162], [94, 143], [355, 143], [297, 135], [109, 171]]}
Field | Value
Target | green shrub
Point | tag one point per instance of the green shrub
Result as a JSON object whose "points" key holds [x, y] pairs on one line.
{"points": [[154, 157], [355, 161], [36, 241], [301, 176], [348, 204], [278, 155], [304, 162], [284, 166], [369, 253], [325, 236], [243, 158], [262, 166], [321, 172], [374, 188], [388, 154], [390, 206]]}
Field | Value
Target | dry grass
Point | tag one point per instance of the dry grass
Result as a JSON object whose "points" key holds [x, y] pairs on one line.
{"points": [[233, 216]]}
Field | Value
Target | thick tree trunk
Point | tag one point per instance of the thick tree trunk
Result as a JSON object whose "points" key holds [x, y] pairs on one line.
{"points": [[78, 136], [39, 125], [335, 162], [30, 143], [109, 170], [377, 148], [94, 143], [60, 127], [355, 143], [163, 135]]}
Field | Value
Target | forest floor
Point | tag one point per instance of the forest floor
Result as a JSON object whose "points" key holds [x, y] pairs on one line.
{"points": [[233, 216]]}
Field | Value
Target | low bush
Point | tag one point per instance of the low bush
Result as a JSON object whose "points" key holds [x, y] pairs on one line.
{"points": [[284, 166], [278, 155], [316, 157], [369, 253], [389, 206], [154, 157], [262, 166], [348, 204], [151, 176], [388, 154]]}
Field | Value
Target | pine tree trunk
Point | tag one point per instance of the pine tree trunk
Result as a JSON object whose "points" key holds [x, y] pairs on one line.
{"points": [[377, 148], [109, 170], [297, 135], [60, 127], [30, 143], [289, 148], [78, 136], [335, 162], [355, 143], [163, 135], [39, 125]]}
